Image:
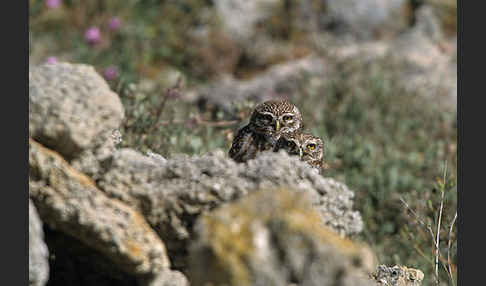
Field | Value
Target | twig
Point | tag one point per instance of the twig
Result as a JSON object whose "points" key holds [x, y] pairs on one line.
{"points": [[449, 248], [437, 236], [418, 219]]}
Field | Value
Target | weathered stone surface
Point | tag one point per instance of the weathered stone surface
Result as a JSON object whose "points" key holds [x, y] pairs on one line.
{"points": [[70, 202], [38, 252], [171, 195], [168, 278], [71, 107], [397, 276], [274, 237]]}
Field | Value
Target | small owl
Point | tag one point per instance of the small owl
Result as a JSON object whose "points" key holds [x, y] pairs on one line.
{"points": [[268, 122], [308, 147]]}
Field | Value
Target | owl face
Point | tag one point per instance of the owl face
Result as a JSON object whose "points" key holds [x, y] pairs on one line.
{"points": [[312, 147], [275, 117], [308, 147]]}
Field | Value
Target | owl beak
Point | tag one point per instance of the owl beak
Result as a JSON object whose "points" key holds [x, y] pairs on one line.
{"points": [[277, 125]]}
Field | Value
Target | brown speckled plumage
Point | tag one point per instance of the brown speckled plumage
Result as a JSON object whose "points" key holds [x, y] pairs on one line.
{"points": [[268, 122]]}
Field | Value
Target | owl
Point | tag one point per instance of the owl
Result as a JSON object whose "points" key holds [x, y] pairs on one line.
{"points": [[308, 147], [268, 122]]}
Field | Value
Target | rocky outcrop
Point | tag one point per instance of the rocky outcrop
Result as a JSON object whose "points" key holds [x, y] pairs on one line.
{"points": [[172, 194], [397, 275], [38, 252], [116, 216], [69, 201], [274, 237]]}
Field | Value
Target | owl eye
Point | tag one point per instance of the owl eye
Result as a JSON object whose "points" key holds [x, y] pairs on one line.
{"points": [[267, 117], [287, 118], [311, 146]]}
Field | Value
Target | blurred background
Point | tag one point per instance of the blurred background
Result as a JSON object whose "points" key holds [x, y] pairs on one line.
{"points": [[376, 79]]}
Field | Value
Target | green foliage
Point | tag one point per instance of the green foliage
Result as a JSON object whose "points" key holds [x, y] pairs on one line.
{"points": [[387, 143]]}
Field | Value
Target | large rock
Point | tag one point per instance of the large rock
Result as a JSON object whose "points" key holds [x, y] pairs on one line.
{"points": [[69, 201], [71, 108], [172, 194], [274, 237], [38, 252]]}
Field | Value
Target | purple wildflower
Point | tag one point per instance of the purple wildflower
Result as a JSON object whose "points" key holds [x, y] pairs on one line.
{"points": [[110, 73], [93, 35], [51, 60], [51, 4], [114, 24]]}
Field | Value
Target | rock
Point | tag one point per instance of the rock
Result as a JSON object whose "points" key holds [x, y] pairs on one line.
{"points": [[70, 202], [240, 17], [425, 67], [38, 252], [168, 278], [279, 79], [171, 195], [274, 237], [397, 276], [71, 108], [362, 18]]}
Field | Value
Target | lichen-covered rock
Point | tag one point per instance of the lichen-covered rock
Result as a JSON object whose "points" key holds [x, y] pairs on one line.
{"points": [[171, 195], [397, 276], [69, 201], [38, 252], [274, 237], [71, 108]]}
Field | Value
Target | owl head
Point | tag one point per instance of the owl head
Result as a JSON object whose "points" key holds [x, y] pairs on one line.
{"points": [[308, 147], [312, 147], [276, 117]]}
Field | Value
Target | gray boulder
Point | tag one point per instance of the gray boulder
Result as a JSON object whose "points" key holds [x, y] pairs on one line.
{"points": [[38, 252], [69, 201], [172, 194], [71, 108], [274, 237]]}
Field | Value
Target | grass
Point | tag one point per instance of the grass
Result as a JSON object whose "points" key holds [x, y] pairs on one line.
{"points": [[385, 143]]}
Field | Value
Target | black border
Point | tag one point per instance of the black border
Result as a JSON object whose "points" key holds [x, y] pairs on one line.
{"points": [[460, 145]]}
